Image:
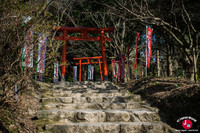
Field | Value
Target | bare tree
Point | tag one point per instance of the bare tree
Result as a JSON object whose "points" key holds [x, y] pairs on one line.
{"points": [[14, 28], [174, 17]]}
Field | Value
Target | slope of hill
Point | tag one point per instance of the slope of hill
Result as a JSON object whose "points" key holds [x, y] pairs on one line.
{"points": [[175, 98]]}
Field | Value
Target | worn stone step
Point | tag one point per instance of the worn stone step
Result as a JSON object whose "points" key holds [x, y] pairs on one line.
{"points": [[71, 91], [78, 88], [124, 115], [91, 99], [85, 84], [130, 105], [88, 90], [78, 94], [125, 127]]}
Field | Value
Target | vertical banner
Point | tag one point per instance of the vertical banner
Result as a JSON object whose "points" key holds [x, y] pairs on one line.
{"points": [[75, 73], [128, 55], [136, 46], [149, 33], [118, 71], [27, 55], [114, 67], [41, 53], [56, 68], [90, 72], [122, 66]]}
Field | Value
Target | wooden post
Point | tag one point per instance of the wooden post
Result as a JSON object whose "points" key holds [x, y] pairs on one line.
{"points": [[104, 59], [80, 70], [64, 55]]}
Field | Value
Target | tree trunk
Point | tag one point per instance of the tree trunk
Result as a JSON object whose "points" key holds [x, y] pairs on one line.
{"points": [[123, 46], [170, 66], [190, 72], [169, 61], [158, 63], [195, 66]]}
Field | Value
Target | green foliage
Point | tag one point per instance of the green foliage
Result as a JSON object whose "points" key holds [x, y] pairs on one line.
{"points": [[176, 85], [70, 78], [179, 73]]}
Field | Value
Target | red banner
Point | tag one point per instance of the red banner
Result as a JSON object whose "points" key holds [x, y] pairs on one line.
{"points": [[136, 45], [123, 66], [114, 67], [118, 72], [149, 33]]}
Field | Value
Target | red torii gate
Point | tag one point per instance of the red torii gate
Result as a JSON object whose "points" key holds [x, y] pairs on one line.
{"points": [[89, 62], [84, 32]]}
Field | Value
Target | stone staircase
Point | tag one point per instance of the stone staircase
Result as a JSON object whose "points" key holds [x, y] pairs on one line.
{"points": [[96, 107]]}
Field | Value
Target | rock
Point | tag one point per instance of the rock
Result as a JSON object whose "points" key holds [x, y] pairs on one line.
{"points": [[97, 107], [117, 116], [91, 116]]}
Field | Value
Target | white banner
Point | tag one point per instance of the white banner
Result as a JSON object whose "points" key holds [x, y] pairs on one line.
{"points": [[90, 72], [28, 50], [75, 73], [41, 53], [56, 69]]}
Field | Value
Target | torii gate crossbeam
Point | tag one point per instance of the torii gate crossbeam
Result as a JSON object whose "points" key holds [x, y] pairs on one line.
{"points": [[84, 37]]}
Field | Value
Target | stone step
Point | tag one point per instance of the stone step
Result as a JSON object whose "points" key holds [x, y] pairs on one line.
{"points": [[84, 88], [86, 84], [125, 127], [130, 105], [93, 116], [71, 91], [78, 94], [91, 99]]}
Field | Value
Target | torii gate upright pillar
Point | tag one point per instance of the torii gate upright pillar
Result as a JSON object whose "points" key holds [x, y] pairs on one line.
{"points": [[64, 56], [104, 58]]}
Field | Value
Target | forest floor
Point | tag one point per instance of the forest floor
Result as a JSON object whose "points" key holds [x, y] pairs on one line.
{"points": [[175, 98]]}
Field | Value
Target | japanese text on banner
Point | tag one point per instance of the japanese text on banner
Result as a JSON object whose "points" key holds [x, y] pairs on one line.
{"points": [[148, 50], [41, 53], [28, 50]]}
